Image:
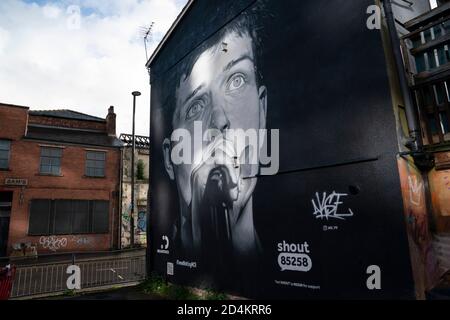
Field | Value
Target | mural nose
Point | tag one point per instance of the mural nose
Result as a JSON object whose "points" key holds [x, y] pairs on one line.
{"points": [[219, 119]]}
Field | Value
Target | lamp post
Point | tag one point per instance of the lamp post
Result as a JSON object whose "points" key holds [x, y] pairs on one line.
{"points": [[135, 94]]}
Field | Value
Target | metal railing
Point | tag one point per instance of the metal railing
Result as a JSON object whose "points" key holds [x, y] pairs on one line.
{"points": [[51, 278]]}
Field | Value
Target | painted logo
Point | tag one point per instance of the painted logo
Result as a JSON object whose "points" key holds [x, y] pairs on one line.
{"points": [[164, 245], [294, 257]]}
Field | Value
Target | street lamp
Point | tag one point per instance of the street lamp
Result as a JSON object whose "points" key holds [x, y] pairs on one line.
{"points": [[135, 94]]}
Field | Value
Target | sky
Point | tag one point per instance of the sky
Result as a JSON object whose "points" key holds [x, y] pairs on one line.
{"points": [[82, 55]]}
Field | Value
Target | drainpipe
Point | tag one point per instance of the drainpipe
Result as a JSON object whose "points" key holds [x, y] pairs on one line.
{"points": [[149, 252], [415, 143], [120, 205]]}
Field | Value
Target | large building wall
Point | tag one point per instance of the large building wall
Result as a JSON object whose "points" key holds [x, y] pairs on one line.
{"points": [[426, 193], [71, 185], [337, 196]]}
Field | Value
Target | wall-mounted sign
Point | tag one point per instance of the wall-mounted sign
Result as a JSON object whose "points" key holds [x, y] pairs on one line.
{"points": [[16, 182]]}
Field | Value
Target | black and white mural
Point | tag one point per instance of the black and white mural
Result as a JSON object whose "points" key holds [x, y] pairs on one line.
{"points": [[273, 153]]}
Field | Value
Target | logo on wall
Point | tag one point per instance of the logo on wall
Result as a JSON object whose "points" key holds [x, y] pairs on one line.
{"points": [[294, 257], [327, 206], [164, 249]]}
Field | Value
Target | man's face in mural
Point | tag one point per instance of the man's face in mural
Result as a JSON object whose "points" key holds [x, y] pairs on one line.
{"points": [[221, 92]]}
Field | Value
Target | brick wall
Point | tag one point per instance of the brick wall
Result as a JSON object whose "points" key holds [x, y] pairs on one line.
{"points": [[67, 123], [72, 184], [13, 122]]}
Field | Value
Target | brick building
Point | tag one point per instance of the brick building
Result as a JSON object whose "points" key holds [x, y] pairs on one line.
{"points": [[59, 181]]}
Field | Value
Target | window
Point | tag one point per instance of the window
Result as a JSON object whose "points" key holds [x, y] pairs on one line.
{"points": [[5, 145], [39, 217], [436, 3], [62, 217], [100, 223], [95, 164], [51, 161]]}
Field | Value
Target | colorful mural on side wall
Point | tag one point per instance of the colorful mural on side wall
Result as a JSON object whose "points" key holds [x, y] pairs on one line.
{"points": [[440, 198], [428, 268]]}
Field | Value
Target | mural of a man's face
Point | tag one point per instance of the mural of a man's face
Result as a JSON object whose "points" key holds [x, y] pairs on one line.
{"points": [[221, 92]]}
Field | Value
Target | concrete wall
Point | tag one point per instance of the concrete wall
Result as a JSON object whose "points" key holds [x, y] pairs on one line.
{"points": [[141, 190]]}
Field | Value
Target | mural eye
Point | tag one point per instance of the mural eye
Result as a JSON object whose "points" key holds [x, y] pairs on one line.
{"points": [[194, 110], [236, 82]]}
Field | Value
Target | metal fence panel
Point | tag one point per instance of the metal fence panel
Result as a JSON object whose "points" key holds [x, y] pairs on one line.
{"points": [[41, 279]]}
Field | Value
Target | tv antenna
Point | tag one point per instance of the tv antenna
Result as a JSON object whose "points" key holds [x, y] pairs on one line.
{"points": [[146, 32]]}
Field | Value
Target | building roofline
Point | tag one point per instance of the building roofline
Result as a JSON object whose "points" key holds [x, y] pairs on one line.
{"points": [[169, 33], [14, 106], [30, 139], [35, 114], [42, 126]]}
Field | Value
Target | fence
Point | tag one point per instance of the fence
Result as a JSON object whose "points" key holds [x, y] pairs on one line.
{"points": [[51, 278]]}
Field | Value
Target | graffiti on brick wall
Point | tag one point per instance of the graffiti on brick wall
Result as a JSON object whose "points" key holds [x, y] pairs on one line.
{"points": [[415, 191], [53, 243], [81, 241], [416, 214]]}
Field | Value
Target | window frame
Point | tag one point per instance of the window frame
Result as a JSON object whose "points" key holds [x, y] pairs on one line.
{"points": [[42, 156], [94, 160], [8, 159]]}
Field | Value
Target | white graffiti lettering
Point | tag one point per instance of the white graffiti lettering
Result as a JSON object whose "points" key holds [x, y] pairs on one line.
{"points": [[327, 206], [81, 241], [415, 191], [53, 243]]}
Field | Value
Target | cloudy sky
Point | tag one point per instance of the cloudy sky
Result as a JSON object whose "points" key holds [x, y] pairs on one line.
{"points": [[83, 55]]}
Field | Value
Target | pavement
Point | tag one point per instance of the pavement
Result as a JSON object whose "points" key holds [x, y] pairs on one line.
{"points": [[126, 293]]}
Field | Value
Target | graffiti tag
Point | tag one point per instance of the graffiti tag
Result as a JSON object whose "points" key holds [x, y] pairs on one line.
{"points": [[142, 222], [415, 188], [53, 243], [81, 241], [326, 207]]}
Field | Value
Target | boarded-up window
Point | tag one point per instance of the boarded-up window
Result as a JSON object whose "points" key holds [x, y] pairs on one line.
{"points": [[39, 217], [61, 217], [100, 223], [80, 218]]}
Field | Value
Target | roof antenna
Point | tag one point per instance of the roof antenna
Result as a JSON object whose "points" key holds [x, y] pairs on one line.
{"points": [[147, 33]]}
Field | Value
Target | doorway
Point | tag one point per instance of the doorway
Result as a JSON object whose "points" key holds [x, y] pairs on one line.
{"points": [[5, 216]]}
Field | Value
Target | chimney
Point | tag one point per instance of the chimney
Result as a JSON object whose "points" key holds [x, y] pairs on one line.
{"points": [[111, 122]]}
